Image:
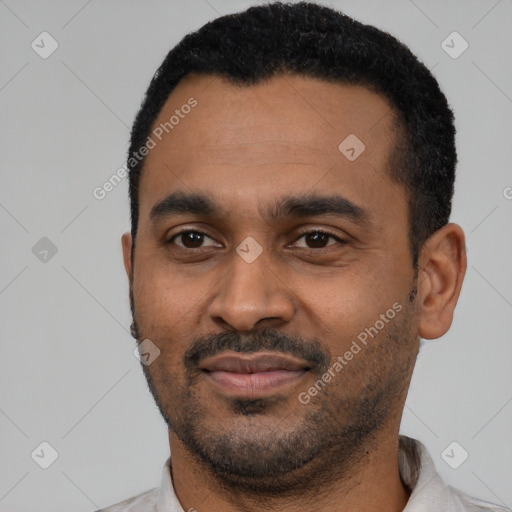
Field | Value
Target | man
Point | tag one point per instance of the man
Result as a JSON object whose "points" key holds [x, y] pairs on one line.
{"points": [[291, 176]]}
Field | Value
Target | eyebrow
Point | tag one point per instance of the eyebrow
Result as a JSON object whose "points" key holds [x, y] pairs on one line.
{"points": [[302, 206]]}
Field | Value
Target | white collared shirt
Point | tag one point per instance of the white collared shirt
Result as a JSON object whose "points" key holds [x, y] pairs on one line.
{"points": [[428, 491]]}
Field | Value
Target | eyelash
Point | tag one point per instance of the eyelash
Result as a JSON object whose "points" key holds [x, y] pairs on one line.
{"points": [[321, 231]]}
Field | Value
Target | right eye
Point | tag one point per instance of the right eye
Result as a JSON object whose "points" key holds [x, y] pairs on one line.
{"points": [[191, 239]]}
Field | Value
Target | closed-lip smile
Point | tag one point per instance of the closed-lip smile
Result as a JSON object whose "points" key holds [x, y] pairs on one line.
{"points": [[253, 375]]}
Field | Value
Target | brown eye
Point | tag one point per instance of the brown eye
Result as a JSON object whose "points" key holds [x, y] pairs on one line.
{"points": [[190, 239], [318, 239]]}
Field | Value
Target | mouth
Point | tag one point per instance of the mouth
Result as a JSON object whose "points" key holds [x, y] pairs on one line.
{"points": [[253, 375]]}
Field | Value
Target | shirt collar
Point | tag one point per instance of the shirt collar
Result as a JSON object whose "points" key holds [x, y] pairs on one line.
{"points": [[167, 499], [418, 473]]}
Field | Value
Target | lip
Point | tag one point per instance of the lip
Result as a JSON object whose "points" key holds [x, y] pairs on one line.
{"points": [[253, 375]]}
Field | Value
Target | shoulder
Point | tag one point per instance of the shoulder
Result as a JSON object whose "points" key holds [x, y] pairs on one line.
{"points": [[471, 504], [145, 502], [428, 490]]}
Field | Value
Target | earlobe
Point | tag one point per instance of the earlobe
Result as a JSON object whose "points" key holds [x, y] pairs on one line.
{"points": [[442, 269], [126, 242]]}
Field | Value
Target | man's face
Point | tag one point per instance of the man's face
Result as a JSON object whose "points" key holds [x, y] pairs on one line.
{"points": [[298, 249]]}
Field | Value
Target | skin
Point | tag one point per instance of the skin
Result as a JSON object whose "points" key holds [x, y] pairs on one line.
{"points": [[246, 147]]}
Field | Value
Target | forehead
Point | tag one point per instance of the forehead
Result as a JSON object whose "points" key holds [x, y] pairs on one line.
{"points": [[289, 134]]}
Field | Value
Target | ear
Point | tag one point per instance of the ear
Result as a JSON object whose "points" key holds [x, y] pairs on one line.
{"points": [[442, 266], [126, 241]]}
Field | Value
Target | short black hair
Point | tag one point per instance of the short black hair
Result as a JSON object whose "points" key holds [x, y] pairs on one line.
{"points": [[316, 41]]}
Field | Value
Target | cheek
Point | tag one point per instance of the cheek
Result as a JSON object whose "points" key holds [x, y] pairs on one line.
{"points": [[351, 301], [355, 320], [163, 301], [161, 314]]}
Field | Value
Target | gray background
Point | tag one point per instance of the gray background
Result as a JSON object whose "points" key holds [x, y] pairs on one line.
{"points": [[69, 376]]}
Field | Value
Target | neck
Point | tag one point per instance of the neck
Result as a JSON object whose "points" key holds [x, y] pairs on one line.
{"points": [[372, 484]]}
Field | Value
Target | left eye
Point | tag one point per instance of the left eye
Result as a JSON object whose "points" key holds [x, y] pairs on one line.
{"points": [[319, 238]]}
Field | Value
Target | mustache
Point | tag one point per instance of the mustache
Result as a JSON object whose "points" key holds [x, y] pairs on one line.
{"points": [[264, 339]]}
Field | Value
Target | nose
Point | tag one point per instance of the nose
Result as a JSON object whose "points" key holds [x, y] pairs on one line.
{"points": [[251, 294]]}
